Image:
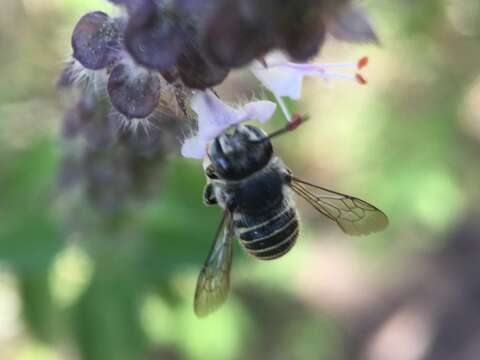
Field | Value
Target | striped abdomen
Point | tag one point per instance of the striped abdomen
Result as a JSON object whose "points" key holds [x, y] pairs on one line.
{"points": [[266, 237]]}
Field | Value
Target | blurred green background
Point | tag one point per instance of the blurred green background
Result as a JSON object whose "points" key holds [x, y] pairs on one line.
{"points": [[79, 283]]}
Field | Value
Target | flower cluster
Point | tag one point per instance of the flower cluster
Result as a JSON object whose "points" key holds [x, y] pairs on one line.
{"points": [[217, 35], [109, 166], [164, 56]]}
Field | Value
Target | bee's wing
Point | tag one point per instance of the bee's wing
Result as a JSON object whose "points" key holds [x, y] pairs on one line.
{"points": [[354, 216], [213, 282]]}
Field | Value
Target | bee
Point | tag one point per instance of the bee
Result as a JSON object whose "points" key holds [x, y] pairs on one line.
{"points": [[254, 188]]}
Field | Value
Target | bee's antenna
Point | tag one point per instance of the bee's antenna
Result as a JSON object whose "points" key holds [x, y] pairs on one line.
{"points": [[294, 123]]}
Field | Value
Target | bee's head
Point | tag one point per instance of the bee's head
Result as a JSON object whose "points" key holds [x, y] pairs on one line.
{"points": [[240, 152]]}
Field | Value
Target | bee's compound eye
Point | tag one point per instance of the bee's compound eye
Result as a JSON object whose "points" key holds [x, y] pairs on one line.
{"points": [[222, 162]]}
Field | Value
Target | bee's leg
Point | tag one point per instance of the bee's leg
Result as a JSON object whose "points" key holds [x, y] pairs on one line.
{"points": [[210, 172], [287, 176], [180, 97], [209, 197], [231, 203]]}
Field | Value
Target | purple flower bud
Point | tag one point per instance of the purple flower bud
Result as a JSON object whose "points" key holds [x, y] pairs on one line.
{"points": [[155, 136], [155, 39], [66, 78], [89, 119], [197, 71], [351, 23], [302, 44], [299, 26], [95, 41], [170, 75], [239, 32], [76, 119], [107, 177], [140, 11], [134, 92]]}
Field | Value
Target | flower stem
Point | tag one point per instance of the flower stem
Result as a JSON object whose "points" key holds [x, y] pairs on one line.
{"points": [[283, 107]]}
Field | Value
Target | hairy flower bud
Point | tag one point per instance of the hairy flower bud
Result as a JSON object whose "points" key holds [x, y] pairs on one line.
{"points": [[351, 23], [239, 32], [197, 71], [304, 43], [96, 41], [300, 29], [89, 120], [155, 38], [133, 91]]}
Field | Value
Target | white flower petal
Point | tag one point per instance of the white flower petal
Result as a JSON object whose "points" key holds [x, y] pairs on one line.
{"points": [[280, 80], [213, 114], [258, 110], [194, 148], [211, 133], [214, 117], [284, 78]]}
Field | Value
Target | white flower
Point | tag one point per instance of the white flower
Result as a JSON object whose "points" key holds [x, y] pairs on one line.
{"points": [[214, 117], [284, 78]]}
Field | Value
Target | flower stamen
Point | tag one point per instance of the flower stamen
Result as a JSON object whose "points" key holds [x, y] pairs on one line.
{"points": [[296, 120], [285, 78], [360, 79], [363, 62]]}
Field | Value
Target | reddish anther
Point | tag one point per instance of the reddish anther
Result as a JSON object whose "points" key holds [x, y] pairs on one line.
{"points": [[295, 121], [360, 79], [362, 62]]}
